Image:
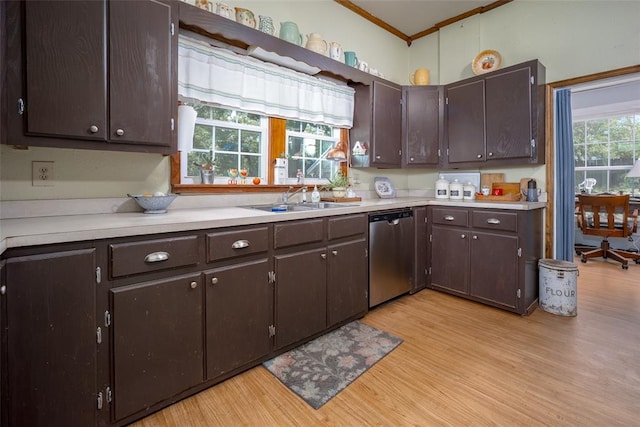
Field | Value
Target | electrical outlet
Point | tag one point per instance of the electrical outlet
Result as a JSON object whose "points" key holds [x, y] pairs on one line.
{"points": [[42, 174]]}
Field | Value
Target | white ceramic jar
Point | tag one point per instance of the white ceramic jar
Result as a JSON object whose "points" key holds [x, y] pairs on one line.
{"points": [[442, 188], [469, 191], [456, 190]]}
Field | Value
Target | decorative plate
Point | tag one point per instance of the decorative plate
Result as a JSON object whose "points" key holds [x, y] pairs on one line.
{"points": [[384, 187], [486, 61]]}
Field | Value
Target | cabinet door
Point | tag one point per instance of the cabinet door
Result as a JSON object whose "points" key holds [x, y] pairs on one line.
{"points": [[157, 341], [508, 116], [239, 310], [494, 269], [347, 281], [450, 259], [301, 295], [66, 76], [421, 130], [387, 125], [51, 338], [141, 64], [465, 122]]}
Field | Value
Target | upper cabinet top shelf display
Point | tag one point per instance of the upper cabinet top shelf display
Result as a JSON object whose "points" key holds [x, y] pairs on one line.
{"points": [[243, 37]]}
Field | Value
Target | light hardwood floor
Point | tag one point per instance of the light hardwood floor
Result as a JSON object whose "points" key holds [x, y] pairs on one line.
{"points": [[464, 364]]}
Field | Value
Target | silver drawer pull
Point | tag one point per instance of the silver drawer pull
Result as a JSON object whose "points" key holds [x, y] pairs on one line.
{"points": [[448, 218], [193, 285], [239, 244], [493, 221], [214, 280], [157, 257]]}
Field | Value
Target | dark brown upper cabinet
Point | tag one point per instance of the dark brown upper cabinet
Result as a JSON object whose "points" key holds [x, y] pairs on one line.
{"points": [[421, 125], [93, 74], [496, 119], [377, 126]]}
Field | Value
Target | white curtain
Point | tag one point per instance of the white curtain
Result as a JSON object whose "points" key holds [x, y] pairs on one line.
{"points": [[222, 77]]}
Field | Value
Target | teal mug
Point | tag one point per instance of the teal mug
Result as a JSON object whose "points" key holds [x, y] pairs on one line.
{"points": [[350, 58]]}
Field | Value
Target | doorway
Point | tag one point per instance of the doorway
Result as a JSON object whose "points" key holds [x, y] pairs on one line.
{"points": [[586, 83]]}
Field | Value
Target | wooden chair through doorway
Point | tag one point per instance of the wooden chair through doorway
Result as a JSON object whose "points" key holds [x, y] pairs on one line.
{"points": [[607, 215]]}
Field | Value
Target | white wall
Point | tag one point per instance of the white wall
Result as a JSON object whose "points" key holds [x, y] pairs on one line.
{"points": [[571, 38]]}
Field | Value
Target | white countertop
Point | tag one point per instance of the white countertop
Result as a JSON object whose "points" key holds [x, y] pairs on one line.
{"points": [[40, 230]]}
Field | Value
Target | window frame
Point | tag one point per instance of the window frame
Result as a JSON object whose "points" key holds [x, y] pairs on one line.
{"points": [[277, 129]]}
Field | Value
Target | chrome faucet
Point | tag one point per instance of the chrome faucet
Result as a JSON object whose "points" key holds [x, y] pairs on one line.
{"points": [[287, 194]]}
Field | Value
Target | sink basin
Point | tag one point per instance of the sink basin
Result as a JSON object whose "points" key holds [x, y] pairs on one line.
{"points": [[296, 207]]}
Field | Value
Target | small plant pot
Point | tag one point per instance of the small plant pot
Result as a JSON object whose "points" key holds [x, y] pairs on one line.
{"points": [[339, 192], [206, 176]]}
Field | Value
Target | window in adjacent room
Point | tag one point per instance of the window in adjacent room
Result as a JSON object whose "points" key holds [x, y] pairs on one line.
{"points": [[605, 149]]}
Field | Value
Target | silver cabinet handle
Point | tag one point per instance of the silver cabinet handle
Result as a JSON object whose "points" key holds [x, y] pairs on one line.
{"points": [[475, 237], [448, 217], [156, 257], [463, 236], [334, 252], [411, 159], [493, 221], [214, 280], [93, 128], [490, 154], [323, 256], [193, 285], [3, 290], [378, 157], [239, 244], [479, 156], [119, 132]]}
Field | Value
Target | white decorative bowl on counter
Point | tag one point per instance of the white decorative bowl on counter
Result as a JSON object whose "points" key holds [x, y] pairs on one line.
{"points": [[153, 204]]}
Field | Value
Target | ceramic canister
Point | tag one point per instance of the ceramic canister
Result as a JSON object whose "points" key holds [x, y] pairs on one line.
{"points": [[456, 190], [442, 188], [469, 191]]}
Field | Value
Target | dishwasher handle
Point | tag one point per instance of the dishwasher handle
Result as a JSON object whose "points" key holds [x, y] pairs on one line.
{"points": [[393, 217]]}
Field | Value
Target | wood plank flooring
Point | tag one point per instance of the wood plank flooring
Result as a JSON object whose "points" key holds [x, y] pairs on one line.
{"points": [[462, 363]]}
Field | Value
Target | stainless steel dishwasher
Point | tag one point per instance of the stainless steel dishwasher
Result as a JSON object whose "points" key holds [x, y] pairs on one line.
{"points": [[390, 255]]}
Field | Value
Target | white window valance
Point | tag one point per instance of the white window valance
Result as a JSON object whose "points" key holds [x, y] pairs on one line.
{"points": [[222, 77]]}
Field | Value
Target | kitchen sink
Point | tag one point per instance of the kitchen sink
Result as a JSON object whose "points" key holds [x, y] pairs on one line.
{"points": [[297, 207]]}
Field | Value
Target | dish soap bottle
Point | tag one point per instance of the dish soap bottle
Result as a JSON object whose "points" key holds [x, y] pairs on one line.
{"points": [[315, 195]]}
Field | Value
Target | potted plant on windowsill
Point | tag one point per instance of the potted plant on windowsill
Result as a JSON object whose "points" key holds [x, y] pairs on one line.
{"points": [[338, 185], [204, 161]]}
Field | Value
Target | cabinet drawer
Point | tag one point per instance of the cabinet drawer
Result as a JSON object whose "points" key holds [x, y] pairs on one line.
{"points": [[228, 244], [343, 226], [297, 233], [505, 221], [152, 255], [446, 216]]}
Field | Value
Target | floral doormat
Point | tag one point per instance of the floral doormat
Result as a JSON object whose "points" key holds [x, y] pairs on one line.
{"points": [[320, 369]]}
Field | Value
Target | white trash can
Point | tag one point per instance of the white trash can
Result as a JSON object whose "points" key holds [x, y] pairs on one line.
{"points": [[558, 287]]}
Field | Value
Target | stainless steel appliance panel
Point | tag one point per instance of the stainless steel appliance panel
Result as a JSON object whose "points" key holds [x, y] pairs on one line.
{"points": [[391, 237]]}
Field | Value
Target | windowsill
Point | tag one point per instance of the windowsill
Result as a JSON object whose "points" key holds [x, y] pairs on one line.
{"points": [[232, 188]]}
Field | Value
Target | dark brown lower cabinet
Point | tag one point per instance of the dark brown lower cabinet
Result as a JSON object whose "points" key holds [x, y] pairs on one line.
{"points": [[494, 276], [347, 281], [300, 296], [239, 310], [450, 259], [487, 255], [157, 341], [51, 339]]}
